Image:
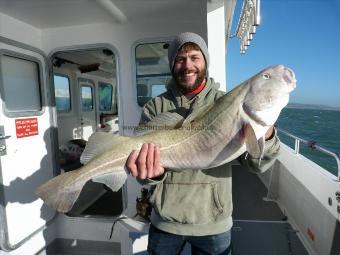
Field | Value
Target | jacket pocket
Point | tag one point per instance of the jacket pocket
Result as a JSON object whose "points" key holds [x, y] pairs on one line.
{"points": [[191, 203]]}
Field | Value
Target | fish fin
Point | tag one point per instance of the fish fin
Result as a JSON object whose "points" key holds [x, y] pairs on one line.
{"points": [[166, 120], [62, 191], [198, 114], [114, 180], [98, 143], [255, 147], [266, 117]]}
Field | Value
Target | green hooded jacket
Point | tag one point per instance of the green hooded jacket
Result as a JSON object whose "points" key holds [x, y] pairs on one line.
{"points": [[195, 202]]}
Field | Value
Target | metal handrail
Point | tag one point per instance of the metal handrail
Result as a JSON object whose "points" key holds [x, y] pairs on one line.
{"points": [[313, 145]]}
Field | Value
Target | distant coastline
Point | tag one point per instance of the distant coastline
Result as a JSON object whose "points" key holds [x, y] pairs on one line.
{"points": [[312, 107]]}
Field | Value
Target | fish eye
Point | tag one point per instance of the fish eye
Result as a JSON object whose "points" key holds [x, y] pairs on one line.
{"points": [[266, 76]]}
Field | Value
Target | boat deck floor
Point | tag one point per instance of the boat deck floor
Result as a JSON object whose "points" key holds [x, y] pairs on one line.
{"points": [[62, 246], [259, 226]]}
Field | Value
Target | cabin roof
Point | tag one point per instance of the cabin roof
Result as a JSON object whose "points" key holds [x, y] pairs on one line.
{"points": [[44, 14]]}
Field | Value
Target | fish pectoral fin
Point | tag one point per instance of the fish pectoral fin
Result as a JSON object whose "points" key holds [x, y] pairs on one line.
{"points": [[114, 180], [255, 147], [265, 117], [169, 120], [98, 143]]}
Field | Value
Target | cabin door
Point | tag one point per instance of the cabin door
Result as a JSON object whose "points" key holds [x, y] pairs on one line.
{"points": [[88, 121], [26, 142]]}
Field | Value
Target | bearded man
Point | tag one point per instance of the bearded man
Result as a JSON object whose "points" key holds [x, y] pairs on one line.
{"points": [[192, 206]]}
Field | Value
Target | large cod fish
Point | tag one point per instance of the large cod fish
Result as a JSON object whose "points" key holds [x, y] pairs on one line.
{"points": [[235, 123]]}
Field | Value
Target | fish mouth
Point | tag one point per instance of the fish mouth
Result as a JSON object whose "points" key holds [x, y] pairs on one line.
{"points": [[287, 75]]}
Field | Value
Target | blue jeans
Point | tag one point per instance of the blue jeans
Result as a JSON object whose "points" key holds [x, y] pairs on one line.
{"points": [[163, 243]]}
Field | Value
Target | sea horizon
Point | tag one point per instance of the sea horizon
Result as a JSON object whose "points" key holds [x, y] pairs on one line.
{"points": [[312, 106]]}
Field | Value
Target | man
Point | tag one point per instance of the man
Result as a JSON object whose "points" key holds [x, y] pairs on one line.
{"points": [[189, 206]]}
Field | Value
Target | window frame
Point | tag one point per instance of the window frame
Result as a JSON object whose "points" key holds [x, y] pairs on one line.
{"points": [[70, 93], [41, 70], [84, 82], [165, 40], [113, 94]]}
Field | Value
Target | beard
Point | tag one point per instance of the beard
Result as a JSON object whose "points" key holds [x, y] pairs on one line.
{"points": [[186, 84]]}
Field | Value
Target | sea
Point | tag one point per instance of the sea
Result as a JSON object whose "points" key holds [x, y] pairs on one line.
{"points": [[322, 127]]}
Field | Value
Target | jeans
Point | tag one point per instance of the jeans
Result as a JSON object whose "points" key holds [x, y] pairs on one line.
{"points": [[163, 243]]}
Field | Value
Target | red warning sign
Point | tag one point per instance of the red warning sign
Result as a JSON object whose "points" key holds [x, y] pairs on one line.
{"points": [[26, 127]]}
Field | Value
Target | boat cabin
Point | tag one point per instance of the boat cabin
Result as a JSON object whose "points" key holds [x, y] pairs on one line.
{"points": [[72, 68]]}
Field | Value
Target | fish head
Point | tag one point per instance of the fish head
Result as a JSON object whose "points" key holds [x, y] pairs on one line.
{"points": [[268, 93]]}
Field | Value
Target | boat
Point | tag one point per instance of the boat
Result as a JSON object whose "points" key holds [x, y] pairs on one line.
{"points": [[72, 68]]}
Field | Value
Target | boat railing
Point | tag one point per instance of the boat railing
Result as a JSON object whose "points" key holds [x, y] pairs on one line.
{"points": [[314, 146]]}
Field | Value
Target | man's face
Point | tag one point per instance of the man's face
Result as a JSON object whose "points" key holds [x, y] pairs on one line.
{"points": [[189, 69]]}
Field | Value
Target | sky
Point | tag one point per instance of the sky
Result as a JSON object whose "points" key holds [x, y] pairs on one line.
{"points": [[301, 34]]}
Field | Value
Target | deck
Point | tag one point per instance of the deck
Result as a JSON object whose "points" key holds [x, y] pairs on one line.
{"points": [[259, 226]]}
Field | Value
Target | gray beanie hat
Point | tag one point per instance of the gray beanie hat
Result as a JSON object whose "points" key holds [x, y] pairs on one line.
{"points": [[183, 38]]}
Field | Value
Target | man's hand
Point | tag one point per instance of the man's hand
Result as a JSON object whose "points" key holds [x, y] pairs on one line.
{"points": [[270, 133], [146, 163]]}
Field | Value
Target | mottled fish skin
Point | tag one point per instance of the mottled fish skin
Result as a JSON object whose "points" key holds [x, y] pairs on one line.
{"points": [[237, 122]]}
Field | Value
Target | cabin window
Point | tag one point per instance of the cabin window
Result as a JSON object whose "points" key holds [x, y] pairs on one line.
{"points": [[157, 89], [62, 93], [152, 70], [20, 84], [105, 97], [86, 98]]}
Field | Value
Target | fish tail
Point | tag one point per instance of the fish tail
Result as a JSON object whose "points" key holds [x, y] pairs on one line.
{"points": [[62, 191]]}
